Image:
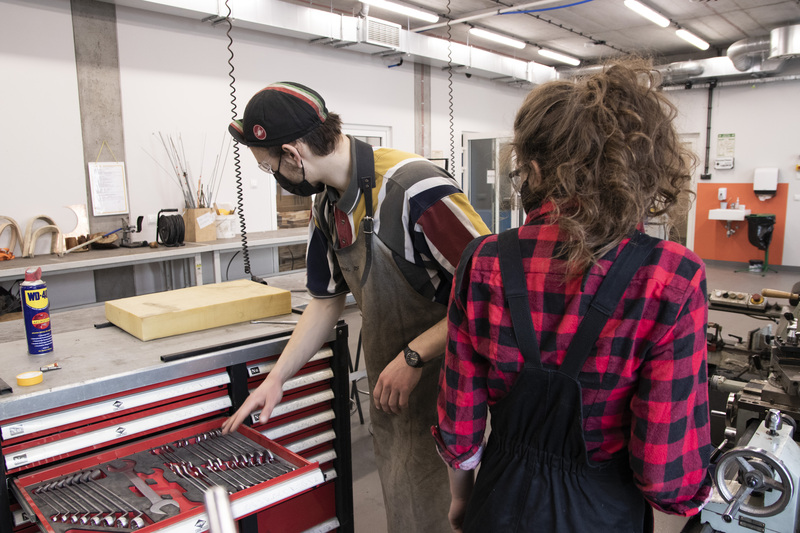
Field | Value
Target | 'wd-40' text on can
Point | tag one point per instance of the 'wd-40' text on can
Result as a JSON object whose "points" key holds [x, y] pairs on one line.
{"points": [[36, 312]]}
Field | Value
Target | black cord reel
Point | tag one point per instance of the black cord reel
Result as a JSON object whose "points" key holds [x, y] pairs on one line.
{"points": [[170, 229]]}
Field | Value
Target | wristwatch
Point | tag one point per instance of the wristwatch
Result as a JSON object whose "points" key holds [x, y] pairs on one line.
{"points": [[412, 358]]}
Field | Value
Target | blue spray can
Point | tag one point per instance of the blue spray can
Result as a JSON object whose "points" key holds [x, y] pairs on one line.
{"points": [[36, 312]]}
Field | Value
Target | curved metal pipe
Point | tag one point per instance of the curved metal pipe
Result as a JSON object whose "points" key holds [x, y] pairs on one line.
{"points": [[743, 53]]}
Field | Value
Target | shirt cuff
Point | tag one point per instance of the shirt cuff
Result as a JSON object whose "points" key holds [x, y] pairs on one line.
{"points": [[466, 461]]}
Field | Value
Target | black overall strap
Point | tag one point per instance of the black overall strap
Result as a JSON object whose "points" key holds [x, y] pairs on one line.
{"points": [[515, 287], [466, 257], [605, 301], [365, 173]]}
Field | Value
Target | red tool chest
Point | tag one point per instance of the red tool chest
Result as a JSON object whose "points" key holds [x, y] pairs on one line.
{"points": [[139, 439]]}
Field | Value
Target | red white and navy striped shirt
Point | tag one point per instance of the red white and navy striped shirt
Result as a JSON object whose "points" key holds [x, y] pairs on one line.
{"points": [[420, 214], [645, 390]]}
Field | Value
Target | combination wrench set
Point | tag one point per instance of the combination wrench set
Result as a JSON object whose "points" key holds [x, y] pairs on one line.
{"points": [[138, 490]]}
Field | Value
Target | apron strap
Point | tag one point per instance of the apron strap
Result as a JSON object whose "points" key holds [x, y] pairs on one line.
{"points": [[365, 172], [515, 287], [605, 301]]}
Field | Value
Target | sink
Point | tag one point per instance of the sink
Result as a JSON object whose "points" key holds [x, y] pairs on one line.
{"points": [[728, 214]]}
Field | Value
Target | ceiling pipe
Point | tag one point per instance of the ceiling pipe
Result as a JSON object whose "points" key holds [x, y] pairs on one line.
{"points": [[680, 71], [484, 14], [671, 73], [785, 42], [744, 54]]}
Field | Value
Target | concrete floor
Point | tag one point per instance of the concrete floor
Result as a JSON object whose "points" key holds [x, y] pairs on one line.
{"points": [[368, 500]]}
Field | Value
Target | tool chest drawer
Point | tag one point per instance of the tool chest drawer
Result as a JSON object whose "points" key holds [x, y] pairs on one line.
{"points": [[303, 420], [61, 433], [157, 484]]}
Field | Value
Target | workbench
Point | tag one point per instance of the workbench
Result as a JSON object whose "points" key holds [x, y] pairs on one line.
{"points": [[105, 364], [191, 252]]}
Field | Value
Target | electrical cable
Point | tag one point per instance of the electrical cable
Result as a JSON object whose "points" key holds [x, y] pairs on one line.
{"points": [[170, 229], [524, 11], [229, 264], [450, 93], [237, 163], [530, 13]]}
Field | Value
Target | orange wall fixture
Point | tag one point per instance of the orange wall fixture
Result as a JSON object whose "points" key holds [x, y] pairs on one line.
{"points": [[710, 240]]}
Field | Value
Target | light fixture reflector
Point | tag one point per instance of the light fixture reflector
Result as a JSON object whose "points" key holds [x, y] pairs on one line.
{"points": [[560, 57], [691, 38], [647, 13], [496, 37], [403, 10]]}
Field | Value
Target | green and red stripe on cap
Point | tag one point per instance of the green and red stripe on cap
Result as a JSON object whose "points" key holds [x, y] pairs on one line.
{"points": [[303, 93]]}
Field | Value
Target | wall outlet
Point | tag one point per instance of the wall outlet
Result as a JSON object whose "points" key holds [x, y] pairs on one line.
{"points": [[151, 220], [722, 194]]}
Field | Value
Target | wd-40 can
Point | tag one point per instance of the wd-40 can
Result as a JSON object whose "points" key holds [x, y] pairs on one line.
{"points": [[36, 312]]}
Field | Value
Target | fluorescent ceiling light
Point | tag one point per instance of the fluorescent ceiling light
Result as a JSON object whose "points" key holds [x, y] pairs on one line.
{"points": [[496, 37], [691, 38], [403, 10], [647, 13], [560, 57]]}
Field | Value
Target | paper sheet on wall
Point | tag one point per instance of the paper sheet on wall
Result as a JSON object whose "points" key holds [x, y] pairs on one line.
{"points": [[109, 193], [726, 143]]}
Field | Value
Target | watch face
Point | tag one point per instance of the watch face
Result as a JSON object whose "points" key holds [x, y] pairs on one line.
{"points": [[412, 358]]}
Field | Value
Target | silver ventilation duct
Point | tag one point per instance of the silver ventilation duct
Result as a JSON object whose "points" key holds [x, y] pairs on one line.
{"points": [[749, 58], [746, 53], [785, 42], [681, 71], [671, 73]]}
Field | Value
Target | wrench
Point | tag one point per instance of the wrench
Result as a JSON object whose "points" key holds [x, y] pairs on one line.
{"points": [[127, 470]]}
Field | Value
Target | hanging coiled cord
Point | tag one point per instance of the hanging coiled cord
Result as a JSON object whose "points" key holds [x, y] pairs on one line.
{"points": [[237, 164], [450, 93]]}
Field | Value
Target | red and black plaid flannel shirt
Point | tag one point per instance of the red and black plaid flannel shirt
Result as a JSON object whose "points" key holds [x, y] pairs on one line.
{"points": [[645, 390]]}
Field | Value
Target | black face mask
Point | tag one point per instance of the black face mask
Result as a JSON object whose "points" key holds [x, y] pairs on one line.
{"points": [[304, 188]]}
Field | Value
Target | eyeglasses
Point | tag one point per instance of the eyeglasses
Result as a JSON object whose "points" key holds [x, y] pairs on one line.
{"points": [[266, 167], [515, 177]]}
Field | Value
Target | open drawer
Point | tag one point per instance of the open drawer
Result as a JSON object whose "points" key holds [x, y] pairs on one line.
{"points": [[158, 483]]}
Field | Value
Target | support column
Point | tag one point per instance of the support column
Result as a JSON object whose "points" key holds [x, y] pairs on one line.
{"points": [[94, 27], [422, 109]]}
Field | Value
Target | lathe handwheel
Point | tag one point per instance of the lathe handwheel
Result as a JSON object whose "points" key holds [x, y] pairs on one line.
{"points": [[749, 470]]}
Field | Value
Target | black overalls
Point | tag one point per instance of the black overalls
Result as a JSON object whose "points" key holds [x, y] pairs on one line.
{"points": [[535, 474]]}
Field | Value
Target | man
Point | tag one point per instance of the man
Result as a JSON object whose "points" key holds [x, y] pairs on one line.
{"points": [[389, 227]]}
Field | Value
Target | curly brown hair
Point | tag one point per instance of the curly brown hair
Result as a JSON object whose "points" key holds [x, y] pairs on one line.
{"points": [[608, 153]]}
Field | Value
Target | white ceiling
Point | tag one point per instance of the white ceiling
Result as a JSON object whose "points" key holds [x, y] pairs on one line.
{"points": [[592, 30]]}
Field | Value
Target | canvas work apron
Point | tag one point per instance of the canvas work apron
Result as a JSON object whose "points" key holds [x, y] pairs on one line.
{"points": [[413, 476], [535, 474]]}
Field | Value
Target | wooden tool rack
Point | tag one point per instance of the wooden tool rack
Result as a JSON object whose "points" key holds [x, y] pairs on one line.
{"points": [[117, 398]]}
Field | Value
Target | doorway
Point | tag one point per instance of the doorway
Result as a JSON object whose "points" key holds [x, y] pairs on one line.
{"points": [[486, 181]]}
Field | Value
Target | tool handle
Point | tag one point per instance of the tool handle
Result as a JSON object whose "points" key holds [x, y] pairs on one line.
{"points": [[772, 293], [91, 241]]}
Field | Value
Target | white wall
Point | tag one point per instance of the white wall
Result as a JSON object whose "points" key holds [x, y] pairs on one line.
{"points": [[41, 155], [764, 118], [174, 76], [174, 80]]}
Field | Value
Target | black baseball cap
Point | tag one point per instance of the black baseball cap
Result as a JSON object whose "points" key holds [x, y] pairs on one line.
{"points": [[279, 113]]}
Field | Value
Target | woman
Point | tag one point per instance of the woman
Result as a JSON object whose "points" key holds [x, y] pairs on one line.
{"points": [[595, 372]]}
